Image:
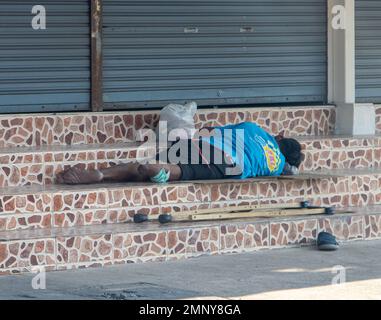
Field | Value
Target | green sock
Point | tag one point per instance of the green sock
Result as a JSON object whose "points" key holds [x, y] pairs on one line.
{"points": [[161, 177]]}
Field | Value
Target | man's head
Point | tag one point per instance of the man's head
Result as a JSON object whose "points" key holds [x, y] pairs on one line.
{"points": [[291, 149]]}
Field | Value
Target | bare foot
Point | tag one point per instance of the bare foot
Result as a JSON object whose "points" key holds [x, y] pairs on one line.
{"points": [[75, 175]]}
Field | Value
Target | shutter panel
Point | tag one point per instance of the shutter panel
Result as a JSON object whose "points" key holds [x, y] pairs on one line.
{"points": [[214, 52], [45, 69], [368, 51]]}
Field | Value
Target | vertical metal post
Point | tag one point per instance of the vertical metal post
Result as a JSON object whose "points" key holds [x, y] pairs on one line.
{"points": [[96, 56]]}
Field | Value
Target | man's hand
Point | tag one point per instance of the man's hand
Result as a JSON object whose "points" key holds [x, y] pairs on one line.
{"points": [[280, 136]]}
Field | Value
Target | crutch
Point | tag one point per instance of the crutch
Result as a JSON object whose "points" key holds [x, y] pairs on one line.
{"points": [[250, 211]]}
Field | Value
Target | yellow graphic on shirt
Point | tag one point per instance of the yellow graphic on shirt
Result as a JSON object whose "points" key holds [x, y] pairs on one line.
{"points": [[272, 158]]}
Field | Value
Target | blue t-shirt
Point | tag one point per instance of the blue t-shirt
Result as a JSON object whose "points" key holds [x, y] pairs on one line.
{"points": [[252, 149]]}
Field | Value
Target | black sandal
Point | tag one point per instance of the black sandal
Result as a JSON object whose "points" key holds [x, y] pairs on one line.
{"points": [[327, 242]]}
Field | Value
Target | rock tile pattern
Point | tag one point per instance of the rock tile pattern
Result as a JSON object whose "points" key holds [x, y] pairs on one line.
{"points": [[60, 207], [78, 211], [87, 128], [372, 226], [341, 153], [24, 255], [293, 233], [290, 121], [346, 228], [179, 241], [84, 249], [139, 247], [243, 237], [40, 166]]}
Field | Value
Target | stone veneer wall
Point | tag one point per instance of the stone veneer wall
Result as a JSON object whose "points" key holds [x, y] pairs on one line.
{"points": [[87, 128], [44, 208], [114, 247]]}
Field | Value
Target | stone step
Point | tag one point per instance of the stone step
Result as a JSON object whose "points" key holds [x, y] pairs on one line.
{"points": [[54, 206], [38, 165], [95, 246], [113, 127], [340, 152]]}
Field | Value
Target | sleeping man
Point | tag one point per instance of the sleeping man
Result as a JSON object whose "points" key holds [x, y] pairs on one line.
{"points": [[238, 151]]}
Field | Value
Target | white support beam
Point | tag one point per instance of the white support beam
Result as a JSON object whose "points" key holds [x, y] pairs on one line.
{"points": [[351, 118]]}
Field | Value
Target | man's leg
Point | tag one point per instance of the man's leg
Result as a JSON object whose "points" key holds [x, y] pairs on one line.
{"points": [[135, 172], [129, 172]]}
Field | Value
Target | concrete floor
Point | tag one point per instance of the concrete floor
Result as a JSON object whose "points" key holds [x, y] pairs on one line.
{"points": [[297, 273]]}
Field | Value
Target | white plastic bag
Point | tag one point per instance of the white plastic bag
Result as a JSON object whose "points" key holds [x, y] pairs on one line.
{"points": [[179, 119]]}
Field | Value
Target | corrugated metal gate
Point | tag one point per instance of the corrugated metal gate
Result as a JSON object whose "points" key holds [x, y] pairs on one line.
{"points": [[368, 51], [44, 69], [216, 52]]}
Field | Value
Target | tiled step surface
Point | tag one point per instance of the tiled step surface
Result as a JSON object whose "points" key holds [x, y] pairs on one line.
{"points": [[341, 152], [39, 165], [55, 206], [63, 227], [58, 249], [88, 128]]}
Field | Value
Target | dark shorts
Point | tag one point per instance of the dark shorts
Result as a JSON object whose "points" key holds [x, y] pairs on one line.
{"points": [[197, 165]]}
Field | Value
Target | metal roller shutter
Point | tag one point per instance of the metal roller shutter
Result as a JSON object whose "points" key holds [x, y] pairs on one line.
{"points": [[368, 51], [214, 52], [44, 69]]}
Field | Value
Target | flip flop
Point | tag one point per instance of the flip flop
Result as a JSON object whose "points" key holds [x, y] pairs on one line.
{"points": [[327, 242]]}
